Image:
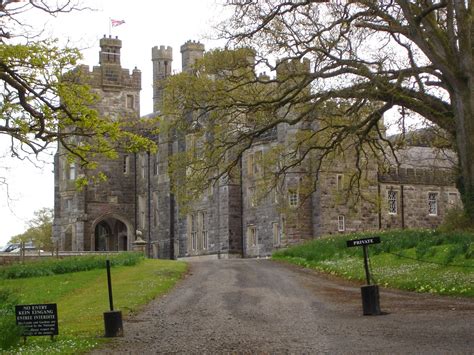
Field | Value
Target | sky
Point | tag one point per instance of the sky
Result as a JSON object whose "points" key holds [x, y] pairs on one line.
{"points": [[30, 185]]}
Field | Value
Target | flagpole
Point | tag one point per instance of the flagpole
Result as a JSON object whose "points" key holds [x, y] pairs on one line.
{"points": [[110, 27]]}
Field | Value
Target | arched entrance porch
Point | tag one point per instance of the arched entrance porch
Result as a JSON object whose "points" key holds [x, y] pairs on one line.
{"points": [[110, 234]]}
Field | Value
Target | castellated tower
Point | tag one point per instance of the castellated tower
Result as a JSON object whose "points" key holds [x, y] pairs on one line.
{"points": [[101, 216], [162, 58], [190, 52]]}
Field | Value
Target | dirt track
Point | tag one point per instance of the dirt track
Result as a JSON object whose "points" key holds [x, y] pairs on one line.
{"points": [[259, 306]]}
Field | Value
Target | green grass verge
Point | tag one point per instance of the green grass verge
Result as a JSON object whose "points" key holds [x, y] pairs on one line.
{"points": [[415, 260], [82, 298]]}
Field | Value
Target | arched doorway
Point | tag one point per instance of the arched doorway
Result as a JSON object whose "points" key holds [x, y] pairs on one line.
{"points": [[111, 234]]}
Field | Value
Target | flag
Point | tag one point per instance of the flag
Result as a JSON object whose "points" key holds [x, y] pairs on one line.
{"points": [[116, 23]]}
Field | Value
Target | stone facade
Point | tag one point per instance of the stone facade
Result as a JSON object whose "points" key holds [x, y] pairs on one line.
{"points": [[137, 200]]}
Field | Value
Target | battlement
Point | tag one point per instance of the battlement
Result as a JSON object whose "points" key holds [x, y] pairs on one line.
{"points": [[110, 42], [162, 53], [107, 78], [192, 46], [293, 66]]}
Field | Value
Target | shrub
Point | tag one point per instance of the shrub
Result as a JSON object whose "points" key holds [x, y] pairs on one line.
{"points": [[10, 333], [53, 266]]}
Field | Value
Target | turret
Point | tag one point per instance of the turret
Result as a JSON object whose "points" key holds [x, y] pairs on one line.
{"points": [[110, 50], [162, 58], [190, 52]]}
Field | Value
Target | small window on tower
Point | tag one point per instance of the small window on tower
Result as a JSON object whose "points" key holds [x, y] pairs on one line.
{"points": [[130, 102]]}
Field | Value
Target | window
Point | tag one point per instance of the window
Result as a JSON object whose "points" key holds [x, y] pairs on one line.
{"points": [[251, 202], [72, 171], [126, 164], [339, 182], [193, 232], [250, 164], [141, 212], [251, 236], [432, 203], [155, 209], [392, 202], [204, 239], [276, 234], [156, 164], [142, 165], [130, 102], [257, 163], [275, 195], [68, 204], [341, 223], [293, 198]]}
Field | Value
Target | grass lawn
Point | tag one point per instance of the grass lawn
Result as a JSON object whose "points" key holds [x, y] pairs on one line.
{"points": [[422, 261], [82, 297]]}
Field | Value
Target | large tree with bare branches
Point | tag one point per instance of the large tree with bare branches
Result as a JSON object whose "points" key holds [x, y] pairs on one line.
{"points": [[42, 98], [366, 58]]}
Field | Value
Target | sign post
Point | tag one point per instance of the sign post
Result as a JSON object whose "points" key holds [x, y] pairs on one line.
{"points": [[370, 293]]}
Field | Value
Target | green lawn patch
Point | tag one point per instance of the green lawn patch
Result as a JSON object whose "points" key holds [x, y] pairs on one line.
{"points": [[82, 298], [53, 266], [415, 260]]}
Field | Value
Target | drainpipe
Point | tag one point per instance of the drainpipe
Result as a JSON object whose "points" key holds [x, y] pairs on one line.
{"points": [[379, 200], [242, 207], [402, 201], [135, 194], [149, 206], [172, 202]]}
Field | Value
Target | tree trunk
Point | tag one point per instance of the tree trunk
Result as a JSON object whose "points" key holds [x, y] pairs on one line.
{"points": [[464, 107]]}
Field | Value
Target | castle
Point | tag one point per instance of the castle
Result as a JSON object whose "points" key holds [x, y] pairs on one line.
{"points": [[136, 201]]}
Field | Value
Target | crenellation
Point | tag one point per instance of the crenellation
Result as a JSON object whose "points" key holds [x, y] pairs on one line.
{"points": [[233, 217]]}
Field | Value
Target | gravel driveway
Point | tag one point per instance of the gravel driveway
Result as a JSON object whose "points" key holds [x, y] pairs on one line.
{"points": [[260, 306]]}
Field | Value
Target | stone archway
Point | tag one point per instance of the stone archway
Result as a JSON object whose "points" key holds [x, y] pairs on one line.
{"points": [[111, 234]]}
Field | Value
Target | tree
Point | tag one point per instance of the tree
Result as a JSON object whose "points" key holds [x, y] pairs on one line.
{"points": [[363, 58], [43, 100], [40, 230]]}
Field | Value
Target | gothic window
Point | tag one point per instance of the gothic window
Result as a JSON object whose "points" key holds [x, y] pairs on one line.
{"points": [[276, 234], [341, 223], [432, 203], [251, 236], [293, 198], [126, 164], [392, 202], [339, 182]]}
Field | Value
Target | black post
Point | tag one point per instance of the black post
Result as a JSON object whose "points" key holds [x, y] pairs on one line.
{"points": [[112, 319], [366, 264], [109, 284]]}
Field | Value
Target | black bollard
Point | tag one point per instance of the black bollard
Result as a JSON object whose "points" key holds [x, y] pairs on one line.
{"points": [[370, 300], [112, 319]]}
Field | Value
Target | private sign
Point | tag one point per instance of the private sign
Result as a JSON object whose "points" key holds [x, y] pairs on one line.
{"points": [[362, 242]]}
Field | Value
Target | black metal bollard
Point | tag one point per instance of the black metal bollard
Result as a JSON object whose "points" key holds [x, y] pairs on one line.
{"points": [[112, 319], [370, 300], [113, 324]]}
